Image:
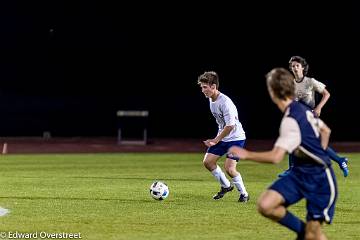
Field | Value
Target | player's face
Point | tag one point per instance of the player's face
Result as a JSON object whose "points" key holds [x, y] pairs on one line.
{"points": [[297, 68], [207, 90]]}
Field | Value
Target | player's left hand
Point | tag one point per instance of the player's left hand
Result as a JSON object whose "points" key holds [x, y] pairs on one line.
{"points": [[317, 112]]}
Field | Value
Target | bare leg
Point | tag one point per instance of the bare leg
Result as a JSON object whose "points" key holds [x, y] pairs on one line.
{"points": [[210, 163], [313, 231], [230, 168], [270, 205]]}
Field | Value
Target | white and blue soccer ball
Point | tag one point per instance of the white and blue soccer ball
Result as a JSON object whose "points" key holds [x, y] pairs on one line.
{"points": [[159, 190]]}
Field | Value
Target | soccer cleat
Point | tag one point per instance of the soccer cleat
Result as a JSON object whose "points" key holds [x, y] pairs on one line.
{"points": [[285, 173], [244, 198], [344, 167], [222, 192]]}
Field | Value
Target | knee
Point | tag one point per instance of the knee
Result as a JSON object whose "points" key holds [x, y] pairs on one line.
{"points": [[231, 171], [205, 163], [209, 165], [264, 208]]}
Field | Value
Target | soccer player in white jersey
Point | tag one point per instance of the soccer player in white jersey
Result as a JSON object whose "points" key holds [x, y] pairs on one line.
{"points": [[305, 137], [230, 133], [305, 89]]}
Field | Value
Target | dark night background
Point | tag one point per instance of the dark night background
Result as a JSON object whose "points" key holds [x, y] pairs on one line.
{"points": [[68, 66]]}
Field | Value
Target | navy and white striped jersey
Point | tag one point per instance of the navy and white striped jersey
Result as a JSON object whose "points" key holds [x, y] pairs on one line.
{"points": [[300, 137]]}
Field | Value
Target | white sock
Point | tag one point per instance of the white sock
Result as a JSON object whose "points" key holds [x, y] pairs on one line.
{"points": [[238, 182], [220, 177]]}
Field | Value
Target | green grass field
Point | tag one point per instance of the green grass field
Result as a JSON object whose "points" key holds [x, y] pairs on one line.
{"points": [[106, 196]]}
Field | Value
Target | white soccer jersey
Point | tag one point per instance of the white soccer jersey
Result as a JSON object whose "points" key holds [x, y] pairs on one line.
{"points": [[225, 113], [305, 90]]}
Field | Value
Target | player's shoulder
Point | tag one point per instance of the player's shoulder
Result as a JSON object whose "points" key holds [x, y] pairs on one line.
{"points": [[308, 79], [312, 80], [223, 97], [297, 107], [225, 101]]}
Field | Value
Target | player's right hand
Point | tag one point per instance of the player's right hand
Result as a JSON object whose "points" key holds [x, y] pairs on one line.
{"points": [[209, 143]]}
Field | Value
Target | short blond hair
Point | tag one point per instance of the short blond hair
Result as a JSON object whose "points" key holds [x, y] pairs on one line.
{"points": [[281, 82]]}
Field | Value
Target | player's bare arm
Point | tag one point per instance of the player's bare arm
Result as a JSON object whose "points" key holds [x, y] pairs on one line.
{"points": [[276, 155], [224, 133], [325, 97]]}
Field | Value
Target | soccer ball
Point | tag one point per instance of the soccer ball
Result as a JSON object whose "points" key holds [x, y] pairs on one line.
{"points": [[159, 190]]}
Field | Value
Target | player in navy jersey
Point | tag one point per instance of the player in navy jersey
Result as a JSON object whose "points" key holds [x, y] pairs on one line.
{"points": [[305, 89], [230, 133], [305, 137]]}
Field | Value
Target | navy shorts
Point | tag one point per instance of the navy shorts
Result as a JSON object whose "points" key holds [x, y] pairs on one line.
{"points": [[319, 189], [222, 148]]}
